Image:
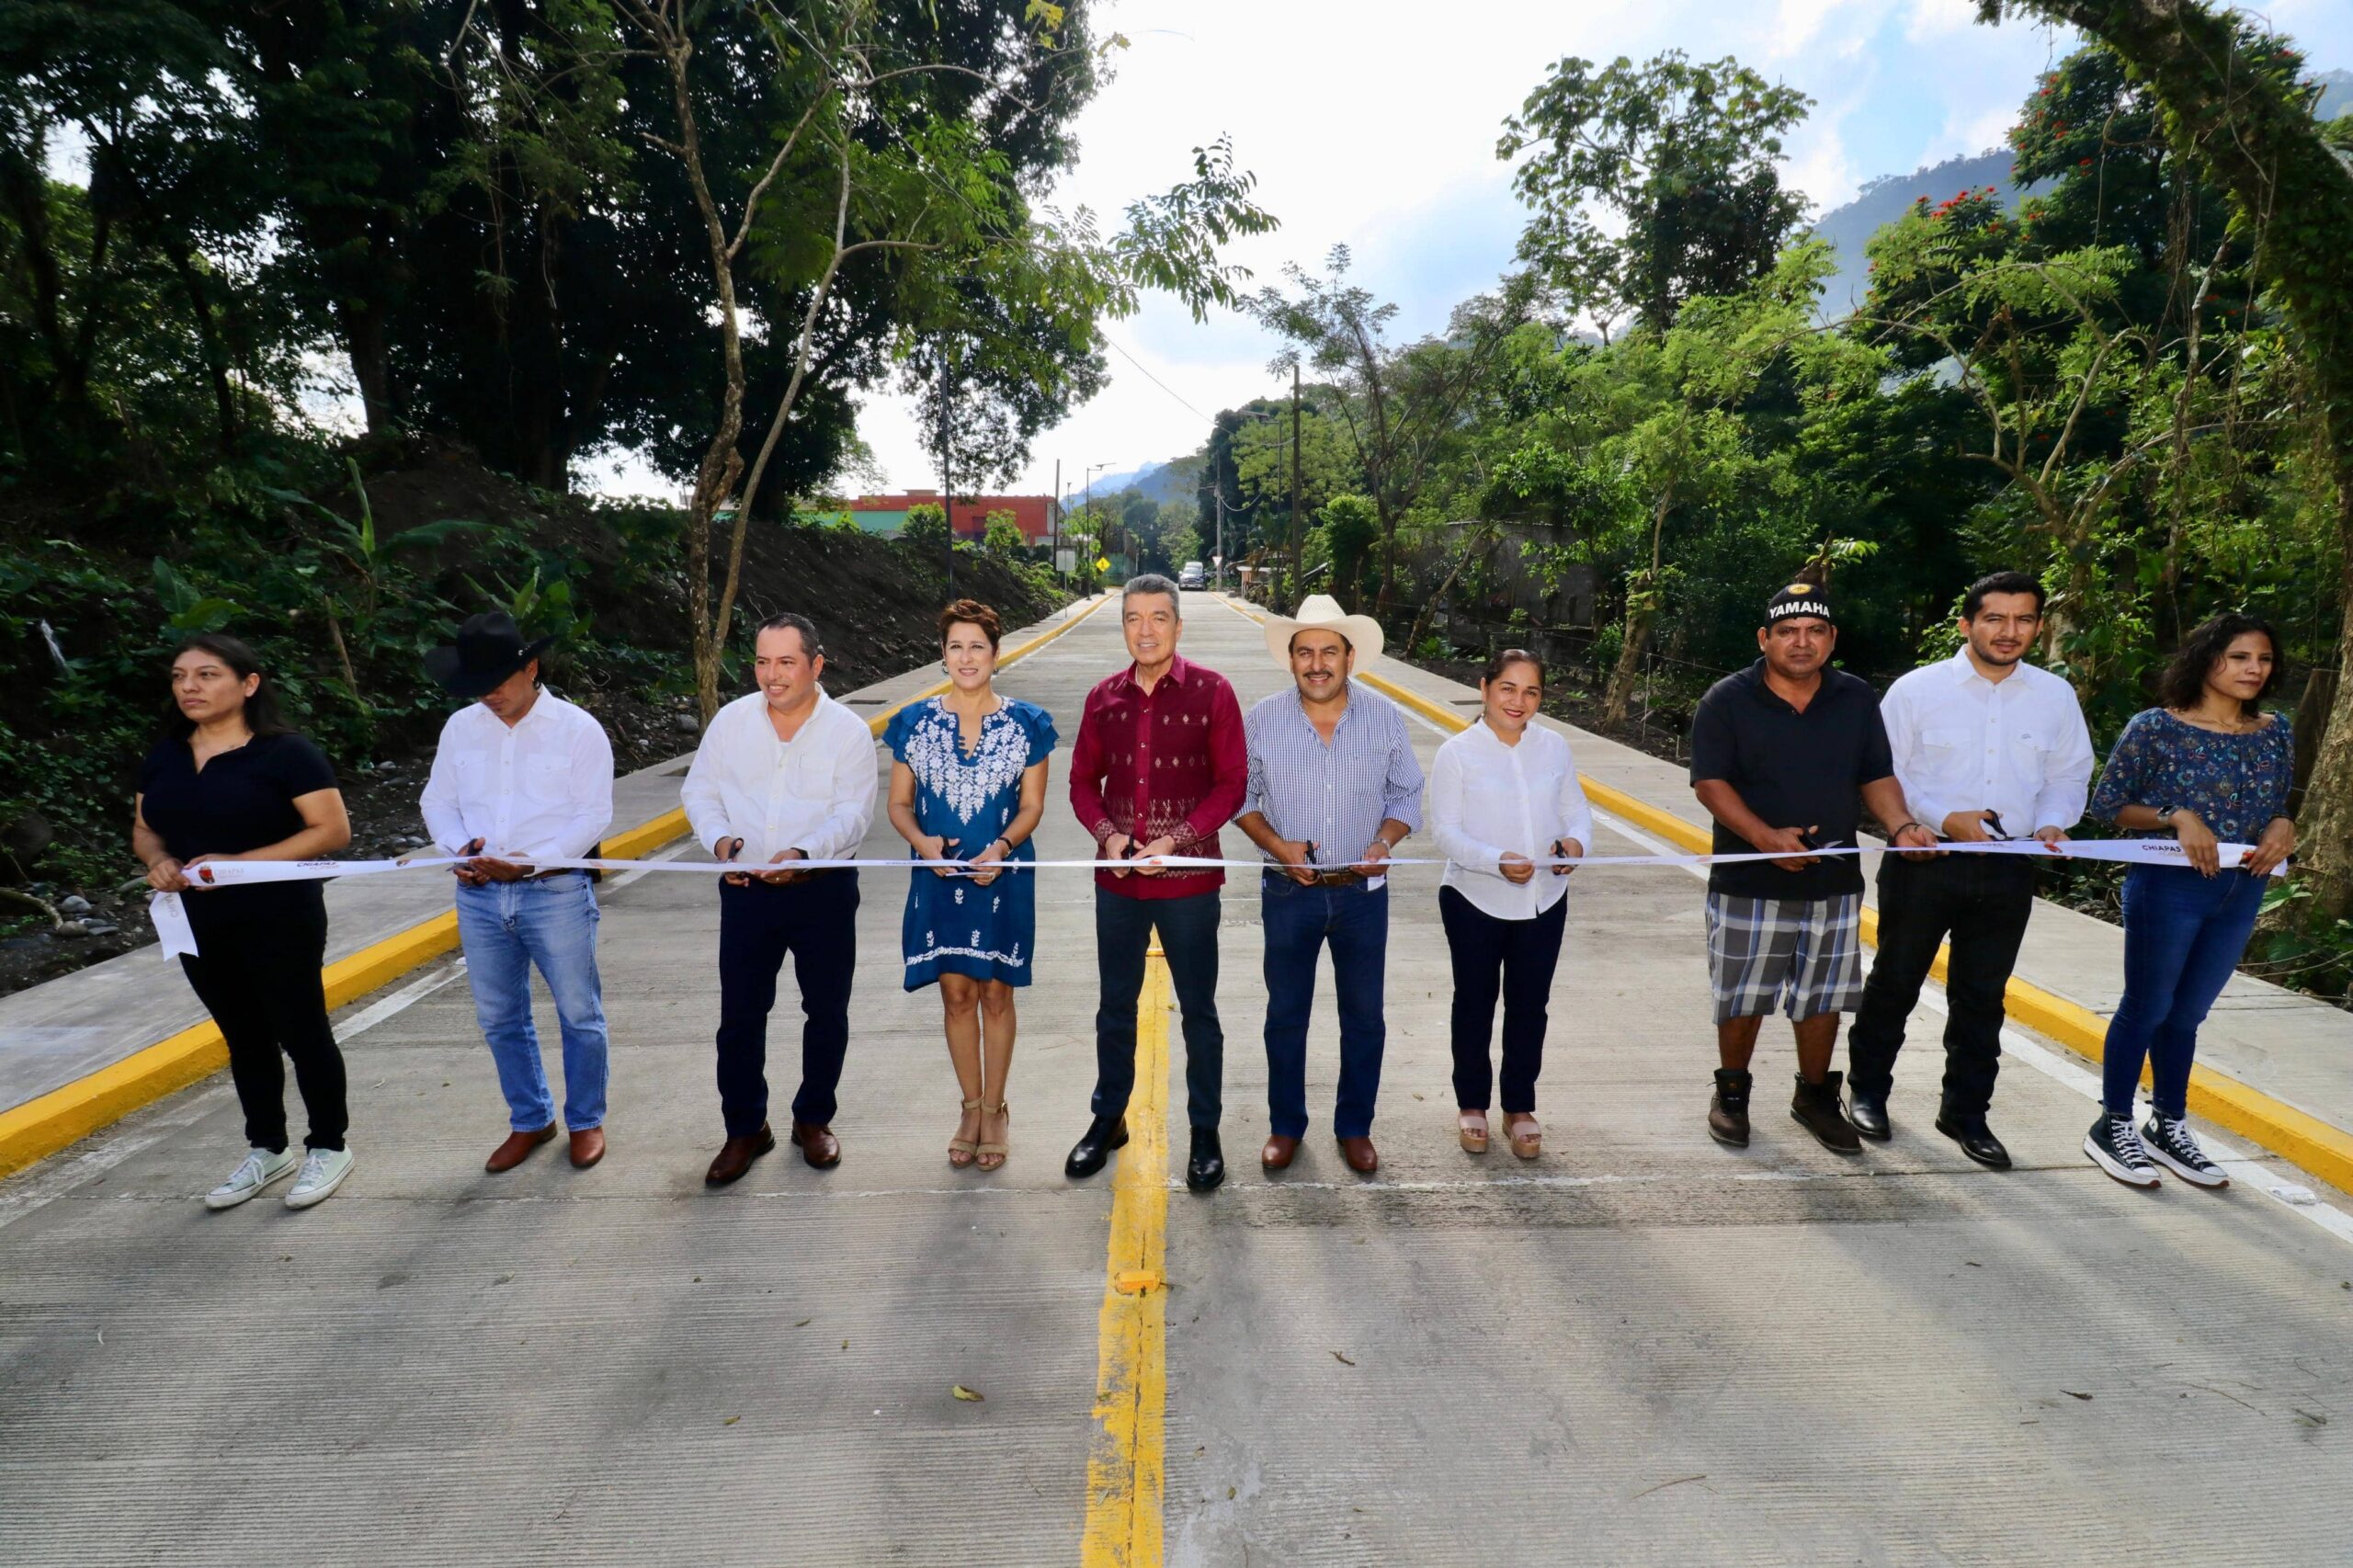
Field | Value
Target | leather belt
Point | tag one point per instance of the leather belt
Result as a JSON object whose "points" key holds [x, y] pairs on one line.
{"points": [[1338, 877]]}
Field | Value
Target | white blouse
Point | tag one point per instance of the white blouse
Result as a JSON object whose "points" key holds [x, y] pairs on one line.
{"points": [[1487, 799]]}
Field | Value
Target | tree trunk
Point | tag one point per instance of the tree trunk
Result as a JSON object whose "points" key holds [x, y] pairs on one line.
{"points": [[370, 352], [1642, 610], [2264, 148]]}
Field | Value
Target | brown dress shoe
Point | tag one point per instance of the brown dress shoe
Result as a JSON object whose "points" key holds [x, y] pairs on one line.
{"points": [[1279, 1153], [1361, 1156], [516, 1148], [817, 1144], [736, 1157], [587, 1147]]}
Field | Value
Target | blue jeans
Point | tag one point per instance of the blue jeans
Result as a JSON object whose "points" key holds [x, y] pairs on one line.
{"points": [[1187, 926], [508, 927], [1299, 921], [2183, 936]]}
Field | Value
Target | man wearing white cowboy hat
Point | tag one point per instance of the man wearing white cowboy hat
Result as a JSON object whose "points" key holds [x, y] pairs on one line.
{"points": [[1334, 785], [522, 775]]}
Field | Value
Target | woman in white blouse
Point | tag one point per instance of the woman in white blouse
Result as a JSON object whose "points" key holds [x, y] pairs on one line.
{"points": [[1504, 795]]}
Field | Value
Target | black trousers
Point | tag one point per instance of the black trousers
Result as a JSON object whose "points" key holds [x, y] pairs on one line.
{"points": [[1187, 928], [1516, 957], [815, 922], [1981, 902], [260, 981]]}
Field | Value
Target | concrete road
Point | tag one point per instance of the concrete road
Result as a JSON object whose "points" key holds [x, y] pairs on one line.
{"points": [[1639, 1348]]}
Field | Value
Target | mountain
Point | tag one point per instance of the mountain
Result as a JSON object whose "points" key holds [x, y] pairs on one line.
{"points": [[1159, 482], [2335, 95], [1883, 200]]}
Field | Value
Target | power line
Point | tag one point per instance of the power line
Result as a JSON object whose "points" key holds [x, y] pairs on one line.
{"points": [[1155, 380]]}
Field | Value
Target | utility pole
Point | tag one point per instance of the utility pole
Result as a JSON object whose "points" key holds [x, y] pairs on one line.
{"points": [[1218, 493], [947, 471], [1298, 536], [1054, 534]]}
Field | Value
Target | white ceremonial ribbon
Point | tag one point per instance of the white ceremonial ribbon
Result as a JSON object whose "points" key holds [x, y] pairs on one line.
{"points": [[169, 916], [2128, 851]]}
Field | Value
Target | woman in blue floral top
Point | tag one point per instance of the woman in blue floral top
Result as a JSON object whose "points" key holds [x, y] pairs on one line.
{"points": [[970, 784], [2209, 767]]}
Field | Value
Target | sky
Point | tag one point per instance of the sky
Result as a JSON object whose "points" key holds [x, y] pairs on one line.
{"points": [[1373, 123]]}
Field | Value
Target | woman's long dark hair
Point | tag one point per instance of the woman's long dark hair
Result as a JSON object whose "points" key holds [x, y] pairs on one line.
{"points": [[2183, 684], [262, 714]]}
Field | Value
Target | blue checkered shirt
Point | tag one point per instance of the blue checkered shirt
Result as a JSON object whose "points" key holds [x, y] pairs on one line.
{"points": [[1335, 796]]}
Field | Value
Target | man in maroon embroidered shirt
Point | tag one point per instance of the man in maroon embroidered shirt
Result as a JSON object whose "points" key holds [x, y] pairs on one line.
{"points": [[1159, 766]]}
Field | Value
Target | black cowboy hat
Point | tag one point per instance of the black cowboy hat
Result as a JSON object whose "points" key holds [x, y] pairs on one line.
{"points": [[489, 649]]}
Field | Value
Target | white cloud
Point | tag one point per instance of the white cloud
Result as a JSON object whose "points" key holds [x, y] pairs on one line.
{"points": [[1374, 124]]}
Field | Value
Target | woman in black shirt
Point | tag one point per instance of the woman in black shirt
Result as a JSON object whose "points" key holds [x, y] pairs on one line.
{"points": [[229, 780]]}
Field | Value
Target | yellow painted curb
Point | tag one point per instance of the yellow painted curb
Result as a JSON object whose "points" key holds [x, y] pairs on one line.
{"points": [[41, 1126], [1126, 1464], [2324, 1150]]}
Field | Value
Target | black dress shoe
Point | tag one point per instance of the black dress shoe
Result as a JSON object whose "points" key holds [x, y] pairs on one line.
{"points": [[1976, 1139], [1094, 1147], [1867, 1114], [1207, 1167]]}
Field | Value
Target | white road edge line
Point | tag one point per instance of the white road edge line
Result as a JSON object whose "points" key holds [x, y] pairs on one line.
{"points": [[670, 854], [2070, 1074], [44, 1184]]}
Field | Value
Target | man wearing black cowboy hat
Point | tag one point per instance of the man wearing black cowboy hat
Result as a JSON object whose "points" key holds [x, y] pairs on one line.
{"points": [[523, 776]]}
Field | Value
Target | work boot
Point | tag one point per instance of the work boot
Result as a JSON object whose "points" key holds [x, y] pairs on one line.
{"points": [[1815, 1108], [1728, 1111]]}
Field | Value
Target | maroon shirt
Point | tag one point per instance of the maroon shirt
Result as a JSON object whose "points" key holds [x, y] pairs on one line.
{"points": [[1171, 764]]}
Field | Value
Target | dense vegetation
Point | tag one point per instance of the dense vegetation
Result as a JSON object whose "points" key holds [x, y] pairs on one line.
{"points": [[2128, 383], [312, 313]]}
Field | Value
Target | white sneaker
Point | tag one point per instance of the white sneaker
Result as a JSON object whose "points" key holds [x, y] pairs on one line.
{"points": [[322, 1172], [261, 1168]]}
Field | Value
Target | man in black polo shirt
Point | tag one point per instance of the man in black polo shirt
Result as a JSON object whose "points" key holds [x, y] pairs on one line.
{"points": [[1784, 755]]}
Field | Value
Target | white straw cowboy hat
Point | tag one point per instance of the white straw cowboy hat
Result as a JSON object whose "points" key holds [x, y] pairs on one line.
{"points": [[1321, 610]]}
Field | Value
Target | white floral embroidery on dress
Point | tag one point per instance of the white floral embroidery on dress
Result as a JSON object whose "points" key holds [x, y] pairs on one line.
{"points": [[934, 758]]}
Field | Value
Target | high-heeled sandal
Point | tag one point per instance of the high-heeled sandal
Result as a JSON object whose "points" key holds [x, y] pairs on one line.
{"points": [[1526, 1145], [999, 1150], [1470, 1128], [964, 1147]]}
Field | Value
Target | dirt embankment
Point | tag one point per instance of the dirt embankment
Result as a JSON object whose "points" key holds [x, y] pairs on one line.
{"points": [[874, 602]]}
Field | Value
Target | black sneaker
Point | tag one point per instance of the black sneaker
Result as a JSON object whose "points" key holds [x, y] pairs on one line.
{"points": [[2116, 1148], [2172, 1146]]}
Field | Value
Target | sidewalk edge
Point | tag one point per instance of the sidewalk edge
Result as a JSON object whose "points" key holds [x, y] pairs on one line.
{"points": [[41, 1126], [2324, 1149]]}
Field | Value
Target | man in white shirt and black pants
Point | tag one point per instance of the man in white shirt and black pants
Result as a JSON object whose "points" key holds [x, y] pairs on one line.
{"points": [[523, 776], [783, 774], [1985, 747]]}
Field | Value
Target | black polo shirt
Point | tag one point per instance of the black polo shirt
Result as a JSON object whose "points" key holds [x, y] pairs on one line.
{"points": [[1792, 769]]}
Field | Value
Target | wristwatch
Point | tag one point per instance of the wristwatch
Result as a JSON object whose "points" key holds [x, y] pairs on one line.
{"points": [[2164, 818]]}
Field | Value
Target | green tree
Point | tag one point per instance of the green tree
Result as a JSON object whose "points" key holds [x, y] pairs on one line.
{"points": [[2243, 110], [1688, 158], [1004, 538]]}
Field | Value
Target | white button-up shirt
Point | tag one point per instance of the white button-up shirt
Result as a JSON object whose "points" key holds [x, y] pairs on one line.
{"points": [[542, 788], [1487, 799], [2018, 746], [813, 792]]}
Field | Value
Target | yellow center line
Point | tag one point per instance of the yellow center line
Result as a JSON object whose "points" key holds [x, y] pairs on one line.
{"points": [[1124, 1467]]}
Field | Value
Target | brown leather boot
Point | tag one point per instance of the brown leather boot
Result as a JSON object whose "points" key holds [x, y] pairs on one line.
{"points": [[1728, 1111], [517, 1149], [817, 1144], [1815, 1108], [736, 1157], [587, 1147]]}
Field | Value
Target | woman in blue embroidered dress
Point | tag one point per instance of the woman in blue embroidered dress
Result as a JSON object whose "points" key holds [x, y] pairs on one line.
{"points": [[970, 784], [2209, 767]]}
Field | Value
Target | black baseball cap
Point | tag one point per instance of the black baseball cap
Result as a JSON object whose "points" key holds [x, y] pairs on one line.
{"points": [[1796, 599]]}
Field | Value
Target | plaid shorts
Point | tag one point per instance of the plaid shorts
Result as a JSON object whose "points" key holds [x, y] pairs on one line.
{"points": [[1810, 948]]}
